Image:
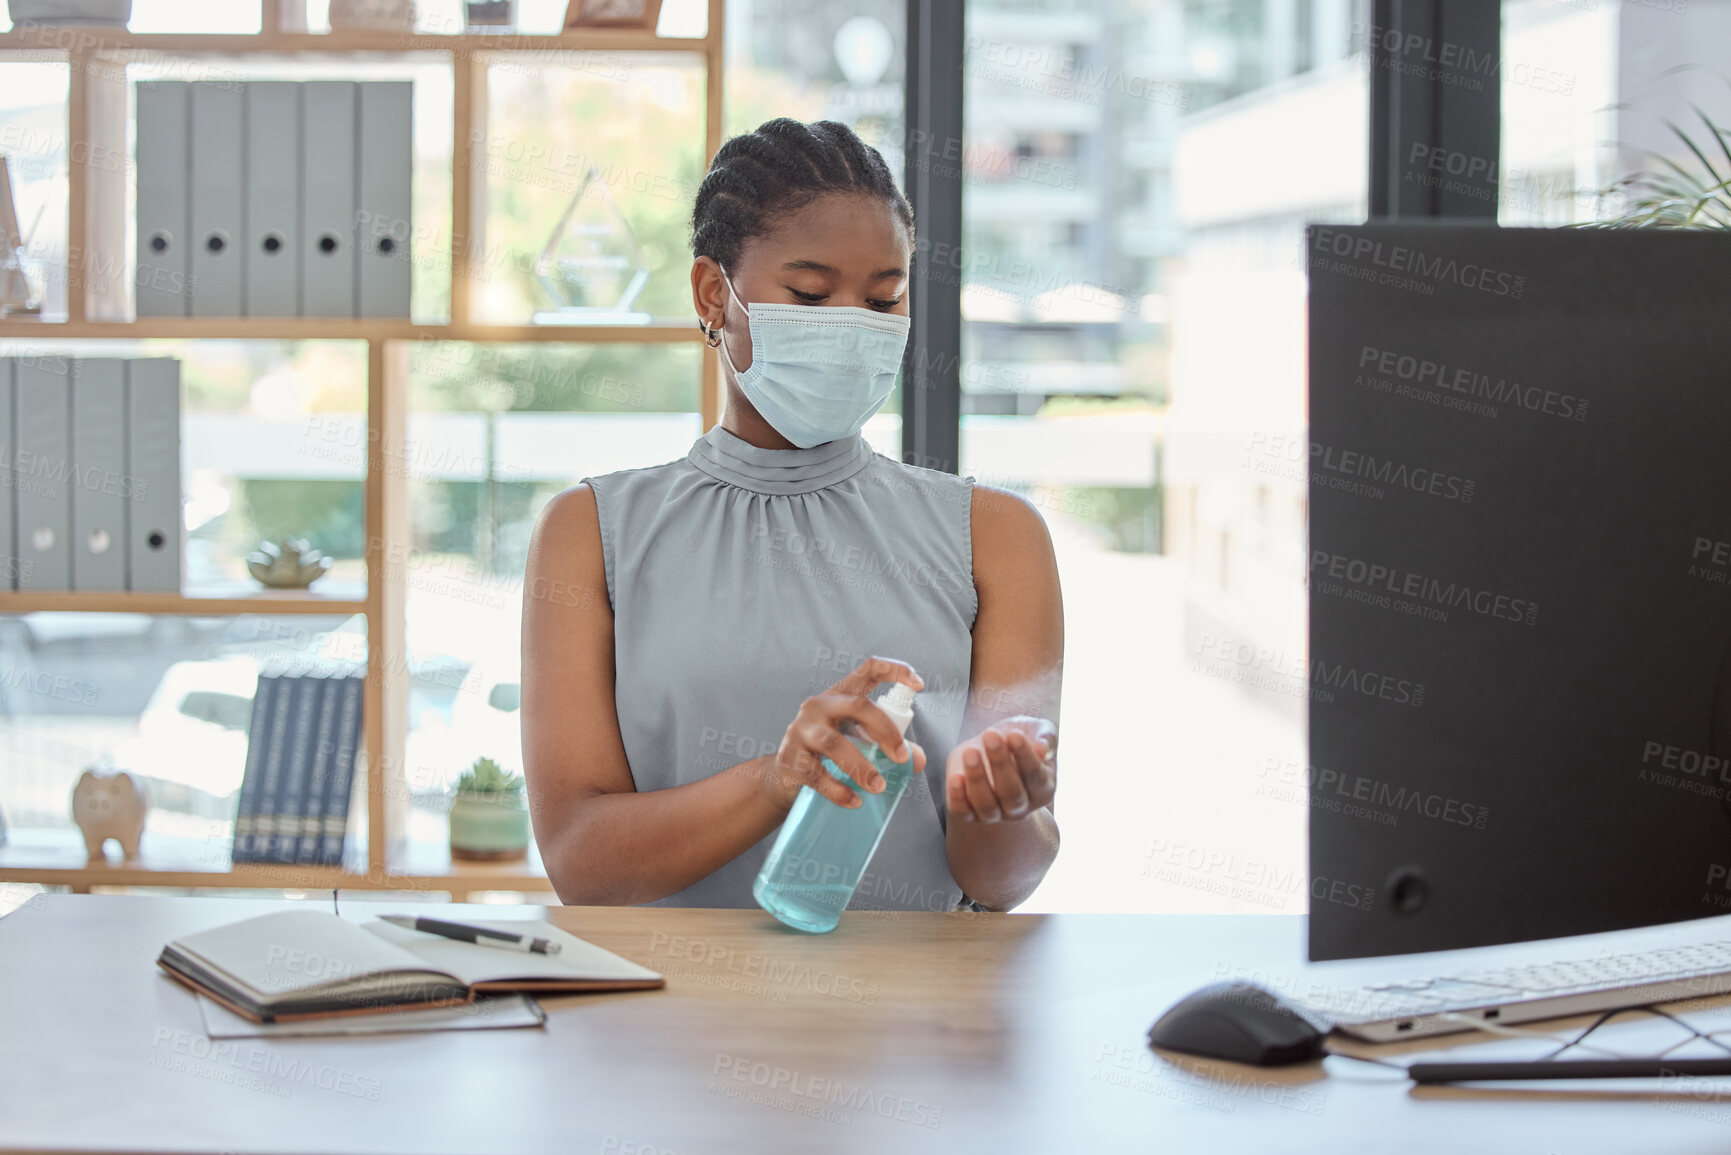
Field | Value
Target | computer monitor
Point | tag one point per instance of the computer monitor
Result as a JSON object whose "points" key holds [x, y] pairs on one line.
{"points": [[1520, 583]]}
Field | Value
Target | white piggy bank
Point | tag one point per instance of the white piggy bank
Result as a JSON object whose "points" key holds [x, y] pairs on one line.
{"points": [[110, 806]]}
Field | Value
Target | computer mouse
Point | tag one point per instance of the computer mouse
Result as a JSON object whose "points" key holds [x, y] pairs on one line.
{"points": [[1241, 1023]]}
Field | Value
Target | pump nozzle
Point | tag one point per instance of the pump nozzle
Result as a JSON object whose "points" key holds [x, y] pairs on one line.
{"points": [[898, 703]]}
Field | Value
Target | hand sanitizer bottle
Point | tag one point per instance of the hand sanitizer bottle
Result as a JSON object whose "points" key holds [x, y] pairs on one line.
{"points": [[822, 850]]}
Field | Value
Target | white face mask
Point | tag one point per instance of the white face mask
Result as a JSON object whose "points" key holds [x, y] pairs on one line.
{"points": [[818, 372]]}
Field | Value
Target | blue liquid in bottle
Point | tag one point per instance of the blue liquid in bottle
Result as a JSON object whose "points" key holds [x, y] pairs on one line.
{"points": [[823, 849]]}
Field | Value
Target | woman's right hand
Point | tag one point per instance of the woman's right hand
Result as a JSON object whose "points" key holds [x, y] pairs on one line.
{"points": [[815, 734]]}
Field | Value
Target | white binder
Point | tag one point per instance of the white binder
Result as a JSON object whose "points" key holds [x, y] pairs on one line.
{"points": [[153, 533], [44, 447], [162, 170], [218, 123], [8, 548], [273, 192], [328, 200], [385, 151], [99, 482]]}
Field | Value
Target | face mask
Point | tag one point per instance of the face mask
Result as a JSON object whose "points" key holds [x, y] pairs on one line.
{"points": [[818, 372]]}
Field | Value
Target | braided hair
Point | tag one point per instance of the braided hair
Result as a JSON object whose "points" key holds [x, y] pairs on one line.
{"points": [[781, 167]]}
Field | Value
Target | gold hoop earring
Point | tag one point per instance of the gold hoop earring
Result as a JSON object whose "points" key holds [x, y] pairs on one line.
{"points": [[711, 336]]}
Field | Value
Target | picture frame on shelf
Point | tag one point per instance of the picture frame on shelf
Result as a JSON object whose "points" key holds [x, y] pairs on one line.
{"points": [[372, 15], [641, 14], [100, 13], [490, 16]]}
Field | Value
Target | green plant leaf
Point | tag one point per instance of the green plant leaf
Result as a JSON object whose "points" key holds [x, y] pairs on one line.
{"points": [[486, 777], [1718, 133], [1696, 149]]}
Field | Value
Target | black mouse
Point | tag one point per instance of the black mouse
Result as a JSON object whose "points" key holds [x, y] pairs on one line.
{"points": [[1241, 1023]]}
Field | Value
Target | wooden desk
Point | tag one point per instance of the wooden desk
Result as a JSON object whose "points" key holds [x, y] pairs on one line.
{"points": [[896, 1033]]}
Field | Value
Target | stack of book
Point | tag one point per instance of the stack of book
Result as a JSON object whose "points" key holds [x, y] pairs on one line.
{"points": [[300, 761]]}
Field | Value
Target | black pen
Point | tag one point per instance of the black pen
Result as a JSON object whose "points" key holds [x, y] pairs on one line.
{"points": [[479, 935]]}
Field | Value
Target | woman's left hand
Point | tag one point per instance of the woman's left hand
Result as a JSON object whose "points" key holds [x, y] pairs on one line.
{"points": [[1005, 773]]}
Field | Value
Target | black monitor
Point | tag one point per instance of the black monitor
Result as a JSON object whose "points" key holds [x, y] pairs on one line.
{"points": [[1520, 583]]}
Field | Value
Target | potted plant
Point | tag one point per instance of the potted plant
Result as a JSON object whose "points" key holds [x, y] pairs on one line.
{"points": [[1691, 193], [489, 820]]}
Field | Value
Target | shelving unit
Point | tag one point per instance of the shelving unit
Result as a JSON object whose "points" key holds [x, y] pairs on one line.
{"points": [[262, 602], [96, 117], [340, 329], [58, 860]]}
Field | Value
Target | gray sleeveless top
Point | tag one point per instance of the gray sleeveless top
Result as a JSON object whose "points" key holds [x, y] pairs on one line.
{"points": [[744, 580]]}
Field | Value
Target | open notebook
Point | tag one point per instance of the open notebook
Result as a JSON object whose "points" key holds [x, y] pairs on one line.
{"points": [[301, 964]]}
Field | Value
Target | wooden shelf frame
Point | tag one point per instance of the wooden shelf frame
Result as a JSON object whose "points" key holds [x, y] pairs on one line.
{"points": [[45, 41], [141, 602], [340, 329], [96, 113], [460, 882]]}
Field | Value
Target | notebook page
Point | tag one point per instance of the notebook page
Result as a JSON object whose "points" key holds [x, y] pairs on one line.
{"points": [[295, 951], [477, 964], [505, 1011]]}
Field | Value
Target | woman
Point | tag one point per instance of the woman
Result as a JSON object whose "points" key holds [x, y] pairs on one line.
{"points": [[696, 633]]}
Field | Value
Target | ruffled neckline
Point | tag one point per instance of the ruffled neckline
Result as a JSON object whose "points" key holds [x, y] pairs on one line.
{"points": [[730, 458]]}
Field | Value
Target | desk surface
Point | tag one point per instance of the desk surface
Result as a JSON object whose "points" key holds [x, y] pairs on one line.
{"points": [[897, 1032]]}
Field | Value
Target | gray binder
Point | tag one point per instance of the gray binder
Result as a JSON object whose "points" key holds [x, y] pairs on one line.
{"points": [[162, 172], [273, 198], [8, 547], [153, 532], [384, 152], [328, 203], [44, 447], [99, 482], [218, 122]]}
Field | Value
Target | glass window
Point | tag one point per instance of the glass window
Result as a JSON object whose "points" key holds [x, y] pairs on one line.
{"points": [[495, 431], [273, 446], [203, 16], [1587, 91], [591, 161], [165, 698], [1137, 175], [687, 18], [233, 17], [815, 61], [33, 141]]}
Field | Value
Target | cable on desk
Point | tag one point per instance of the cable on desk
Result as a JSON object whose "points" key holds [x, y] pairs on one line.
{"points": [[1568, 1043]]}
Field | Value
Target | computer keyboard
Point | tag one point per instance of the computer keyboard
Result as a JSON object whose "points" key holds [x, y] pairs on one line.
{"points": [[1433, 1006]]}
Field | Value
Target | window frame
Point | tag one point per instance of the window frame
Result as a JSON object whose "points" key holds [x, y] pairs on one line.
{"points": [[1419, 113]]}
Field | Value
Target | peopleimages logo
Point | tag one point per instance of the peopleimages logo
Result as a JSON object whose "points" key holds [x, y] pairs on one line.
{"points": [[781, 544], [1326, 787], [1264, 883], [1381, 471], [1348, 470], [1684, 769], [1710, 561], [1242, 661], [1137, 1068], [1422, 371], [780, 973], [815, 1096], [1389, 587], [1399, 260]]}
